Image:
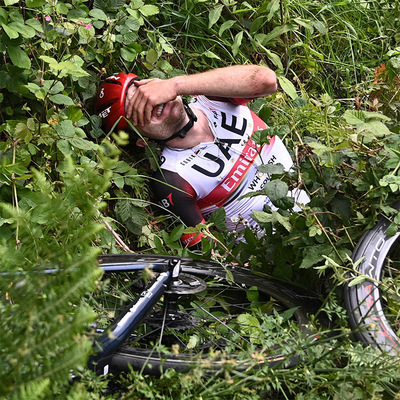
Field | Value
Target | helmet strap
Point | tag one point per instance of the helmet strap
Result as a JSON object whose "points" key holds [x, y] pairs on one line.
{"points": [[182, 133]]}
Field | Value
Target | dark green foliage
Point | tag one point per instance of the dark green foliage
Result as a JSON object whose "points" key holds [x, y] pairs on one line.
{"points": [[61, 176], [43, 317]]}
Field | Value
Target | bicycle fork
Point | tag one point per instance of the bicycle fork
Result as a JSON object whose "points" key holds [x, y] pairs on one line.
{"points": [[130, 318]]}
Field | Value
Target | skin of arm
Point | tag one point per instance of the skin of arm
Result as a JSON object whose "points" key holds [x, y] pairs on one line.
{"points": [[240, 81]]}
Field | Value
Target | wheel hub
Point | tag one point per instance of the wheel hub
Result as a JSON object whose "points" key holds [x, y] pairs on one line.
{"points": [[186, 284], [177, 321]]}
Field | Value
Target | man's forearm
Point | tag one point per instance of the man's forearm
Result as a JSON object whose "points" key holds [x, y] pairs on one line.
{"points": [[248, 81], [243, 81]]}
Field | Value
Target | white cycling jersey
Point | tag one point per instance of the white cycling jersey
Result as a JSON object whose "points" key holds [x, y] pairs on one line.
{"points": [[217, 174]]}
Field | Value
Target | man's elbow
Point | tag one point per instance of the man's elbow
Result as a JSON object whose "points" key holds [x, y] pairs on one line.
{"points": [[267, 81]]}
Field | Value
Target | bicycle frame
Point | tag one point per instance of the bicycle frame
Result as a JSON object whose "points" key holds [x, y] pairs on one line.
{"points": [[133, 315]]}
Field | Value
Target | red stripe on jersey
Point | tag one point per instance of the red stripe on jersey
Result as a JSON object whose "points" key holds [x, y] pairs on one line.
{"points": [[220, 194]]}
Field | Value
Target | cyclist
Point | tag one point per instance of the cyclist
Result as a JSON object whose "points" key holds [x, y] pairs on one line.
{"points": [[209, 159]]}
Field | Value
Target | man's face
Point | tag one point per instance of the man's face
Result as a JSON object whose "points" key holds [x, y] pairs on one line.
{"points": [[165, 120]]}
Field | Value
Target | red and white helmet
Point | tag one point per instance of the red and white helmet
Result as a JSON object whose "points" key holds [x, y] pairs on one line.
{"points": [[110, 100]]}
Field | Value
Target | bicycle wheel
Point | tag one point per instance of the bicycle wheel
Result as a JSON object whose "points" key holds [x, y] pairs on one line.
{"points": [[373, 305], [207, 317]]}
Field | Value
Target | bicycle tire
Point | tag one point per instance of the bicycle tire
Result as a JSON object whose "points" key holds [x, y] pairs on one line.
{"points": [[370, 301], [152, 361]]}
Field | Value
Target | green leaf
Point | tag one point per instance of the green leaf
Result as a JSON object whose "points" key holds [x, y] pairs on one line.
{"points": [[356, 281], [276, 189], [35, 3], [46, 46], [253, 294], [11, 33], [53, 88], [85, 34], [65, 129], [152, 56], [314, 255], [40, 94], [251, 238], [118, 180], [22, 29], [176, 234], [274, 169], [274, 217], [19, 57], [122, 167], [193, 342], [265, 113], [218, 218], [62, 8], [320, 27], [33, 87], [378, 128], [210, 54], [61, 99], [288, 87], [392, 230], [248, 319], [51, 61], [214, 15], [306, 23], [35, 24], [133, 24], [149, 10], [278, 31], [64, 146], [354, 117], [319, 148], [250, 326], [262, 137], [167, 47], [237, 43], [225, 26], [98, 14], [274, 58], [74, 113], [229, 276], [129, 54], [22, 131], [273, 8], [288, 314], [83, 144], [3, 16], [375, 115], [256, 24]]}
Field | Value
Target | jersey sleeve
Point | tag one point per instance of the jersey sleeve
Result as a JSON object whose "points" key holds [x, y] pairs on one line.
{"points": [[177, 196]]}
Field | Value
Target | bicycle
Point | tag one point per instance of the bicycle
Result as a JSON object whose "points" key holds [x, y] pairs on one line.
{"points": [[372, 301], [181, 312]]}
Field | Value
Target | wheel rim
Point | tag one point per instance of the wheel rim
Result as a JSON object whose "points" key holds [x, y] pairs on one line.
{"points": [[373, 305]]}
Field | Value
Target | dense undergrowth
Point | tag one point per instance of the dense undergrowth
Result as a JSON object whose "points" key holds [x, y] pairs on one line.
{"points": [[62, 179]]}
